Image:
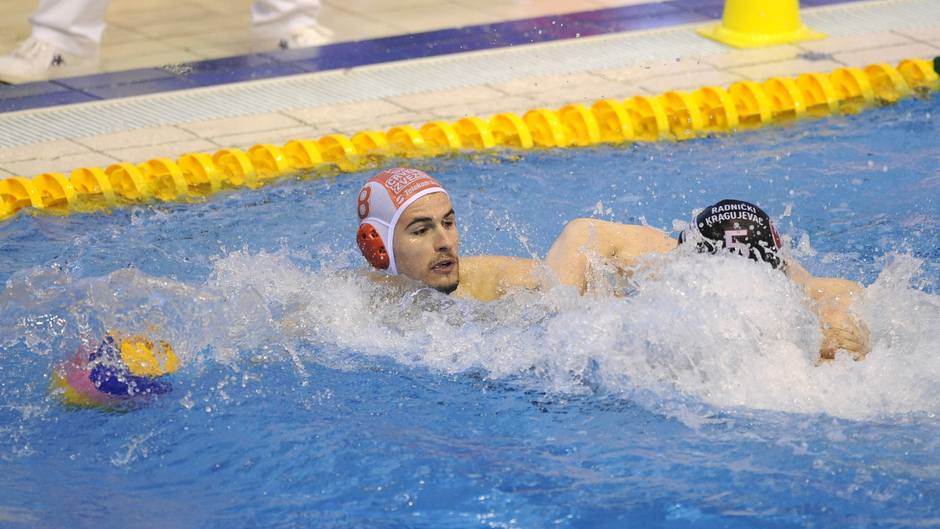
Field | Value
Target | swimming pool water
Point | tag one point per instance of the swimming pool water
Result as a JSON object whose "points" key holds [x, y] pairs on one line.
{"points": [[312, 398]]}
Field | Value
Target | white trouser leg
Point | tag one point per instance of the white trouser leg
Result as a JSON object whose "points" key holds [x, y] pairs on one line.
{"points": [[279, 18], [74, 25]]}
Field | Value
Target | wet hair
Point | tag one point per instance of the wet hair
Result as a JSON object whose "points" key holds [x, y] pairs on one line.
{"points": [[736, 226]]}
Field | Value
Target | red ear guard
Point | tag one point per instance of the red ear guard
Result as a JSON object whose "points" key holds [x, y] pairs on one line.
{"points": [[372, 247]]}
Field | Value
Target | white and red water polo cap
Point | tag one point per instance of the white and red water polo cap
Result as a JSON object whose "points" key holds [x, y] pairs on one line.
{"points": [[380, 203]]}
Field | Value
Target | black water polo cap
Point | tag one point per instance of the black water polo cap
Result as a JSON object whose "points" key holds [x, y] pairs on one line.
{"points": [[736, 226]]}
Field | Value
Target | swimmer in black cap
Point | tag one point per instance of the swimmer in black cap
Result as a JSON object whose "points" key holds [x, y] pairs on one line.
{"points": [[735, 226], [730, 225], [742, 228]]}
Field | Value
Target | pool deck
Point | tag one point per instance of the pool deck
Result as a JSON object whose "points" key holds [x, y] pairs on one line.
{"points": [[406, 64]]}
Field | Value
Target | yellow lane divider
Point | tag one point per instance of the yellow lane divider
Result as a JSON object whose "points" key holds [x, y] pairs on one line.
{"points": [[673, 115]]}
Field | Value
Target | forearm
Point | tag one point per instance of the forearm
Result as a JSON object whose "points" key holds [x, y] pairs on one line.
{"points": [[832, 298]]}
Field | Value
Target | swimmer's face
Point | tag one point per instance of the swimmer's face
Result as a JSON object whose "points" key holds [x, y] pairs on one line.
{"points": [[426, 243]]}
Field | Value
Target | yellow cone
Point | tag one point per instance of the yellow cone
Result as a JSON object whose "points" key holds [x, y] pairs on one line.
{"points": [[758, 23]]}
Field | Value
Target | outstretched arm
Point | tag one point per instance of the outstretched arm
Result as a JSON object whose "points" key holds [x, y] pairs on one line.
{"points": [[832, 299], [619, 244]]}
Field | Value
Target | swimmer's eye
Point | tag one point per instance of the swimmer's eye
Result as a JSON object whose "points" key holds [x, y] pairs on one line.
{"points": [[423, 227]]}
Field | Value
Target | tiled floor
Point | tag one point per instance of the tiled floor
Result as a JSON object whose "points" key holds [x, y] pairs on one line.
{"points": [[144, 33], [686, 70]]}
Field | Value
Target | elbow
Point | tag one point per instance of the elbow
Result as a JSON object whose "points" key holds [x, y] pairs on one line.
{"points": [[579, 226], [577, 233], [587, 229]]}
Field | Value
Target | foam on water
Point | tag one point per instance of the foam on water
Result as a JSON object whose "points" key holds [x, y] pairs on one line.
{"points": [[692, 329]]}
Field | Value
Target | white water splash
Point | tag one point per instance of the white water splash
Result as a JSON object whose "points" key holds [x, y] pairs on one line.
{"points": [[135, 448], [720, 330]]}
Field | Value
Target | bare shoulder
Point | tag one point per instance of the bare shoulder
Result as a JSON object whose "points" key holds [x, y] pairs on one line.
{"points": [[487, 277], [496, 266], [621, 238]]}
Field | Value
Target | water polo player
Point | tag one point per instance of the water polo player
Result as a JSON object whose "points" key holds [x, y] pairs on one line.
{"points": [[407, 226], [742, 228]]}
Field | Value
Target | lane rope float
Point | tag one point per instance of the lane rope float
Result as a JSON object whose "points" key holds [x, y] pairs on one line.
{"points": [[672, 116]]}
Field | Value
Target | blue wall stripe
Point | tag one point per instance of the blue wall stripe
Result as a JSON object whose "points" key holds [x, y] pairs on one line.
{"points": [[268, 65]]}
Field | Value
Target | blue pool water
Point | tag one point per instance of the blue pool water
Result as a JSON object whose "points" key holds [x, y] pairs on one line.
{"points": [[312, 398]]}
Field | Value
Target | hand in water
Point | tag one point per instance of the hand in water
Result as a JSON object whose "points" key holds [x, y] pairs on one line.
{"points": [[843, 331]]}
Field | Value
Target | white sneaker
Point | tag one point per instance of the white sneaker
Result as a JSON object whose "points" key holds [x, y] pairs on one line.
{"points": [[307, 38], [36, 60]]}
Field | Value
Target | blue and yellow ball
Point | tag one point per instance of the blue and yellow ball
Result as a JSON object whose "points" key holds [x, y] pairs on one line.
{"points": [[117, 373]]}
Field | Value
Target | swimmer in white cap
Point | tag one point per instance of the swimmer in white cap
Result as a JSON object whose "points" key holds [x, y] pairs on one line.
{"points": [[407, 226]]}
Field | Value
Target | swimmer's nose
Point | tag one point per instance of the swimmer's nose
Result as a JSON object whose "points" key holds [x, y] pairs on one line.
{"points": [[446, 240]]}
